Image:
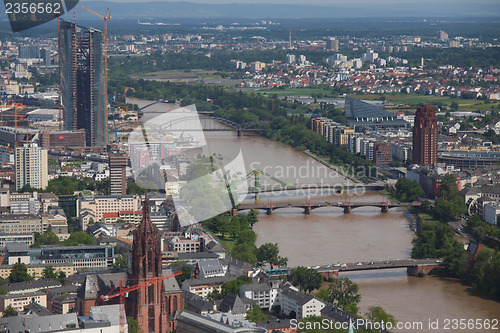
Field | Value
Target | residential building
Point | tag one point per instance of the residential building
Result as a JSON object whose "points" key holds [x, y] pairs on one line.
{"points": [[82, 256], [21, 224], [183, 245], [293, 302], [208, 268], [36, 270], [25, 203], [382, 153], [31, 166], [203, 287], [425, 136], [108, 204], [19, 301], [264, 293], [118, 162], [492, 213], [5, 239], [332, 44]]}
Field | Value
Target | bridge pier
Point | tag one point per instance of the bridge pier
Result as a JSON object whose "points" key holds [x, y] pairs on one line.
{"points": [[420, 270], [234, 212], [269, 211], [239, 132], [347, 209], [307, 210], [328, 275], [385, 209]]}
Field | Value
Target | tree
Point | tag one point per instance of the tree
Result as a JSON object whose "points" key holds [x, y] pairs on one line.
{"points": [[9, 311], [306, 279], [78, 238], [49, 273], [187, 273], [255, 314], [133, 188], [269, 253], [61, 276], [133, 325], [47, 238], [344, 292], [408, 190], [234, 285], [454, 106], [252, 217], [377, 314], [19, 273], [244, 252]]}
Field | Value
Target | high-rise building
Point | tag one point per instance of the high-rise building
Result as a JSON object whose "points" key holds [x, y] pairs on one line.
{"points": [[332, 44], [31, 166], [443, 36], [82, 82], [382, 154], [29, 52], [153, 306], [117, 166], [46, 55], [425, 136]]}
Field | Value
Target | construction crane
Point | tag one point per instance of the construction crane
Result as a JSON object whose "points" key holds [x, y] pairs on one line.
{"points": [[123, 292], [105, 18], [112, 101]]}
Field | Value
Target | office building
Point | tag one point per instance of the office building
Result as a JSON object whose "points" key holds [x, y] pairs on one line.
{"points": [[45, 55], [63, 139], [82, 82], [118, 162], [332, 44], [31, 167], [29, 52], [425, 136]]}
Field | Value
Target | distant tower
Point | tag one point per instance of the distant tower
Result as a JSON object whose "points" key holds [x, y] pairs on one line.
{"points": [[422, 62], [425, 136], [153, 306], [290, 42], [332, 44], [31, 166]]}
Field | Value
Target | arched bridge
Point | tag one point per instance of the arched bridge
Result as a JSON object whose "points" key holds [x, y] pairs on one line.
{"points": [[309, 206], [415, 267], [208, 124]]}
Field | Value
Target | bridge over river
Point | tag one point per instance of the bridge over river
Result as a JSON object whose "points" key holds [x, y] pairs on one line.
{"points": [[309, 206], [415, 267]]}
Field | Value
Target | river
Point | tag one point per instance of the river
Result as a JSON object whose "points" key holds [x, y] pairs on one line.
{"points": [[330, 236]]}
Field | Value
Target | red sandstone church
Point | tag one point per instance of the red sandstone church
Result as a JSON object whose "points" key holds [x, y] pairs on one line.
{"points": [[154, 306]]}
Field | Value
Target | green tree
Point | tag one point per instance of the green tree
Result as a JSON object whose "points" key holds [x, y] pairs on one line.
{"points": [[133, 325], [377, 314], [47, 238], [187, 273], [454, 106], [19, 273], [255, 314], [269, 253], [234, 285], [61, 276], [49, 273], [133, 188], [344, 293], [408, 190], [306, 279], [78, 238], [244, 252], [9, 312], [252, 217]]}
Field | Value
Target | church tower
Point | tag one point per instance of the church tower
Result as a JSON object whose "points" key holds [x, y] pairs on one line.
{"points": [[147, 304]]}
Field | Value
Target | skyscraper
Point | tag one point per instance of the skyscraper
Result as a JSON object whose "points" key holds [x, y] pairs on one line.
{"points": [[82, 82], [31, 165], [117, 166], [29, 52], [425, 136], [153, 306], [332, 44]]}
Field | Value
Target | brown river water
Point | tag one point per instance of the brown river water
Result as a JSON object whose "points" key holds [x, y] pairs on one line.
{"points": [[329, 236]]}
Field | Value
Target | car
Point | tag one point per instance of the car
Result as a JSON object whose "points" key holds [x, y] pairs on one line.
{"points": [[371, 262], [439, 261], [316, 267], [359, 264], [337, 265], [343, 265], [327, 266]]}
